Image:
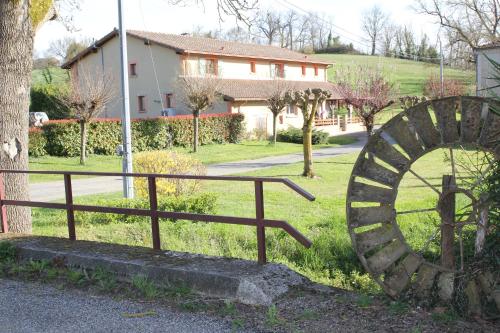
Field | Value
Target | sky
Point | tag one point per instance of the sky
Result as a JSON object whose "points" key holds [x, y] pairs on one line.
{"points": [[98, 17]]}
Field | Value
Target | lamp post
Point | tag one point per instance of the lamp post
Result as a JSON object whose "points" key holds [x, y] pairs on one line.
{"points": [[128, 186]]}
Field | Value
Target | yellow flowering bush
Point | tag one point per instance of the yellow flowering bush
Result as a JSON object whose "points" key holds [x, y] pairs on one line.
{"points": [[167, 162]]}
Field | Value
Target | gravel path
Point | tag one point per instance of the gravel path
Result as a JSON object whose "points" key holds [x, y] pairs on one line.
{"points": [[32, 307], [54, 190]]}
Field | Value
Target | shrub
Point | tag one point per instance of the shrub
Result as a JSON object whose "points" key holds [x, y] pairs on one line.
{"points": [[204, 203], [167, 162], [63, 136], [432, 87], [295, 135], [7, 251], [44, 98], [37, 143]]}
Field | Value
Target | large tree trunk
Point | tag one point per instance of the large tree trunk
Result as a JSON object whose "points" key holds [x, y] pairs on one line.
{"points": [[195, 132], [16, 52], [373, 46], [307, 143], [275, 134], [83, 142]]}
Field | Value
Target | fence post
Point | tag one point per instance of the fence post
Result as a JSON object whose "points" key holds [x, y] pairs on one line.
{"points": [[70, 213], [259, 210], [3, 208], [153, 207]]}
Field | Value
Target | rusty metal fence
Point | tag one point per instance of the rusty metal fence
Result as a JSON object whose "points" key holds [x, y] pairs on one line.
{"points": [[260, 222]]}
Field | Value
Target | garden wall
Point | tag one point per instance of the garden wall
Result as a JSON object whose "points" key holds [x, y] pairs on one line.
{"points": [[62, 137]]}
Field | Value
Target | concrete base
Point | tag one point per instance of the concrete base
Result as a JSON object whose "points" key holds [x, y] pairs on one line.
{"points": [[238, 280]]}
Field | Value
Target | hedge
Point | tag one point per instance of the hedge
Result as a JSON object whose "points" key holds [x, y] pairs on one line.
{"points": [[37, 143], [295, 135], [63, 136]]}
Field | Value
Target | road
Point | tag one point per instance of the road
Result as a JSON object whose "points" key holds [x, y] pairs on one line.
{"points": [[54, 190], [31, 307]]}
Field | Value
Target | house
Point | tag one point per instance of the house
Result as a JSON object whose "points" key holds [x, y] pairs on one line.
{"points": [[247, 73], [484, 69]]}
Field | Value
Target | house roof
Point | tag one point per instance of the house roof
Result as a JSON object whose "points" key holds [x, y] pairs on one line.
{"points": [[492, 45], [186, 44], [259, 90]]}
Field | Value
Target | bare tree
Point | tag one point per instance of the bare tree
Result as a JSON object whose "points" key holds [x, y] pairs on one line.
{"points": [[308, 101], [268, 23], [388, 39], [473, 21], [373, 21], [277, 101], [240, 9], [367, 90], [89, 94], [198, 94], [66, 48]]}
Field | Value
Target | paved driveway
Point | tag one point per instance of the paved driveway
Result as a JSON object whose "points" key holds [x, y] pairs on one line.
{"points": [[54, 190], [31, 307]]}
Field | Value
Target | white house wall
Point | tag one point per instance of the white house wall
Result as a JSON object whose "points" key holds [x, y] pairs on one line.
{"points": [[485, 70]]}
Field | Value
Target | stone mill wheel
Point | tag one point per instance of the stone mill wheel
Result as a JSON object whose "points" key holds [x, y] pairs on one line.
{"points": [[455, 128]]}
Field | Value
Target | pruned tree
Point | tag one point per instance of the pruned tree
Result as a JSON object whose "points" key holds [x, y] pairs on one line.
{"points": [[89, 94], [373, 21], [277, 102], [367, 90], [308, 101], [198, 94]]}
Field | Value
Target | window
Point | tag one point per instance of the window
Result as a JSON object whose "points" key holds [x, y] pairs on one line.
{"points": [[291, 110], [304, 70], [141, 103], [315, 70], [132, 69], [252, 66], [211, 67], [279, 70], [169, 101]]}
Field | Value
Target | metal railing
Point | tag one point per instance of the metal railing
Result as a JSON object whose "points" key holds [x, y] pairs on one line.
{"points": [[260, 222]]}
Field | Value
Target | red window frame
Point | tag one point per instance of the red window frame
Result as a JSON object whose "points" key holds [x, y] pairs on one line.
{"points": [[279, 70], [316, 70], [132, 69], [304, 68], [169, 101], [141, 103], [209, 62], [252, 67]]}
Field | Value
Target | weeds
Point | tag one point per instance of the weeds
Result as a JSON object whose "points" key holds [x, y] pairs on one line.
{"points": [[7, 252], [146, 287], [272, 318], [364, 301]]}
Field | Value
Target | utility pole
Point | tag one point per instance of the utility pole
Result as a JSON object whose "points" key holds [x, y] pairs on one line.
{"points": [[128, 186]]}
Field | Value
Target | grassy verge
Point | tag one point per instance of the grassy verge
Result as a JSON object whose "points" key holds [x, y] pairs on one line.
{"points": [[208, 154], [331, 259]]}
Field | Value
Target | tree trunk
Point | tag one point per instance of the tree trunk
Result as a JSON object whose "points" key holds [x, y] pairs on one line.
{"points": [[307, 143], [16, 52], [373, 46], [195, 133], [83, 142], [275, 134]]}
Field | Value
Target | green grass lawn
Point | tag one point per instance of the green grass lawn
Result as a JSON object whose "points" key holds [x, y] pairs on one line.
{"points": [[208, 154], [408, 75], [58, 75], [331, 259]]}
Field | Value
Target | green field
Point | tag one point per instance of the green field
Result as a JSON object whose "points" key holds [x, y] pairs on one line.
{"points": [[331, 259], [207, 154], [409, 76], [59, 76]]}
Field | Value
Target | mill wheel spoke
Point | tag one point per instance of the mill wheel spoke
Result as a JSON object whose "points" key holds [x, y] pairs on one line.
{"points": [[423, 210], [425, 181]]}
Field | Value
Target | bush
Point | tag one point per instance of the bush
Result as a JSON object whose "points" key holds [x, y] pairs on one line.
{"points": [[7, 251], [45, 98], [204, 203], [37, 143], [167, 162], [295, 135], [432, 87], [63, 136]]}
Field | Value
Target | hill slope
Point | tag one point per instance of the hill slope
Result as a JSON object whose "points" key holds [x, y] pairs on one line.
{"points": [[408, 75]]}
